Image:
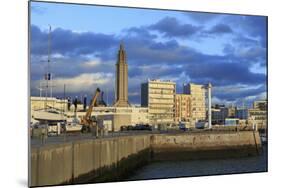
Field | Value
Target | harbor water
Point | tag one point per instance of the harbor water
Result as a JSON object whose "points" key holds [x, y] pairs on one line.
{"points": [[172, 169]]}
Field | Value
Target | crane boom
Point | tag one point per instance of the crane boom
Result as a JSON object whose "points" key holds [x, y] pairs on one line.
{"points": [[86, 120]]}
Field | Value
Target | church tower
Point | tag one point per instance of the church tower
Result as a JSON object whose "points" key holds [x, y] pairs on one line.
{"points": [[121, 79]]}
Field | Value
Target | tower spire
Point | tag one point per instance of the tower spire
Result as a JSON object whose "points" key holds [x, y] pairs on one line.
{"points": [[122, 54], [121, 45]]}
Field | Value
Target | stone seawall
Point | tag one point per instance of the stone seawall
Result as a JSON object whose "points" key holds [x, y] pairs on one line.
{"points": [[109, 159], [81, 161], [205, 145]]}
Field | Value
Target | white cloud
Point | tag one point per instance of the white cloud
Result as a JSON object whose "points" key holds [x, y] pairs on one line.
{"points": [[216, 100], [262, 96], [238, 88], [89, 64], [96, 62], [86, 82]]}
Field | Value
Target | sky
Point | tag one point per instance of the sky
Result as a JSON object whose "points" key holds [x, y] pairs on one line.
{"points": [[230, 51]]}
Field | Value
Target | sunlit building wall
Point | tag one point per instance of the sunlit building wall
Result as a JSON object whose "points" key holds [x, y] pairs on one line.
{"points": [[198, 105], [159, 97]]}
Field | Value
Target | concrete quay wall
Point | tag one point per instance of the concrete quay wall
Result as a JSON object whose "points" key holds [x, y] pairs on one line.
{"points": [[205, 145], [108, 159], [82, 161]]}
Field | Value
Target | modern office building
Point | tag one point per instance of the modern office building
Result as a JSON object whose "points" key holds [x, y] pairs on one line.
{"points": [[121, 80], [216, 117], [182, 108], [198, 105], [159, 97], [219, 114], [242, 113]]}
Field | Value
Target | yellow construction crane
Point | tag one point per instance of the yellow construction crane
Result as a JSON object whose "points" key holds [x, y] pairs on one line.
{"points": [[87, 121]]}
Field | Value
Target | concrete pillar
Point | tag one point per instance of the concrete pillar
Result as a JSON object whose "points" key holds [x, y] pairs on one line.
{"points": [[210, 105], [58, 127]]}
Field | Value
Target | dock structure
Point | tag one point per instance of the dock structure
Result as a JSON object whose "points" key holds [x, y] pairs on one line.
{"points": [[111, 159]]}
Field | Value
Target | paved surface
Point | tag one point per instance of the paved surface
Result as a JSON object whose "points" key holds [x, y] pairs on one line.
{"points": [[63, 138], [70, 137]]}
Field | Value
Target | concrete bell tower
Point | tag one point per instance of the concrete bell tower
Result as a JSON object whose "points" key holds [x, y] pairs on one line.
{"points": [[121, 79]]}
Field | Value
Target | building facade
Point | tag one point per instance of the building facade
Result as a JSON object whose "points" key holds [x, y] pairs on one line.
{"points": [[231, 111], [121, 80], [159, 97], [242, 113], [198, 104], [41, 103], [119, 116], [219, 114], [182, 108], [258, 114], [261, 105]]}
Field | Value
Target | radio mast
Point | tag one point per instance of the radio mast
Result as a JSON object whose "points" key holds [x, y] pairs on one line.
{"points": [[48, 74]]}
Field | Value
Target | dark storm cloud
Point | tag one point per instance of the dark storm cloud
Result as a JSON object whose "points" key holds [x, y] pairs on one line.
{"points": [[220, 29], [69, 42], [202, 17], [171, 27], [58, 66], [219, 69], [140, 32], [150, 58], [228, 49], [234, 95], [155, 71], [253, 26], [66, 67], [244, 41], [248, 54], [224, 73]]}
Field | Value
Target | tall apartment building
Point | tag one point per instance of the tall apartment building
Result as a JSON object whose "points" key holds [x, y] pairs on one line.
{"points": [[198, 105], [182, 107], [159, 97]]}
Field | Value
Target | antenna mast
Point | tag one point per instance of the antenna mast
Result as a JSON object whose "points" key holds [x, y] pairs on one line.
{"points": [[47, 74], [49, 60]]}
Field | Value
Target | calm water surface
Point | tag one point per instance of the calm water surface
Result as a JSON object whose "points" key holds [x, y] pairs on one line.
{"points": [[169, 169]]}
